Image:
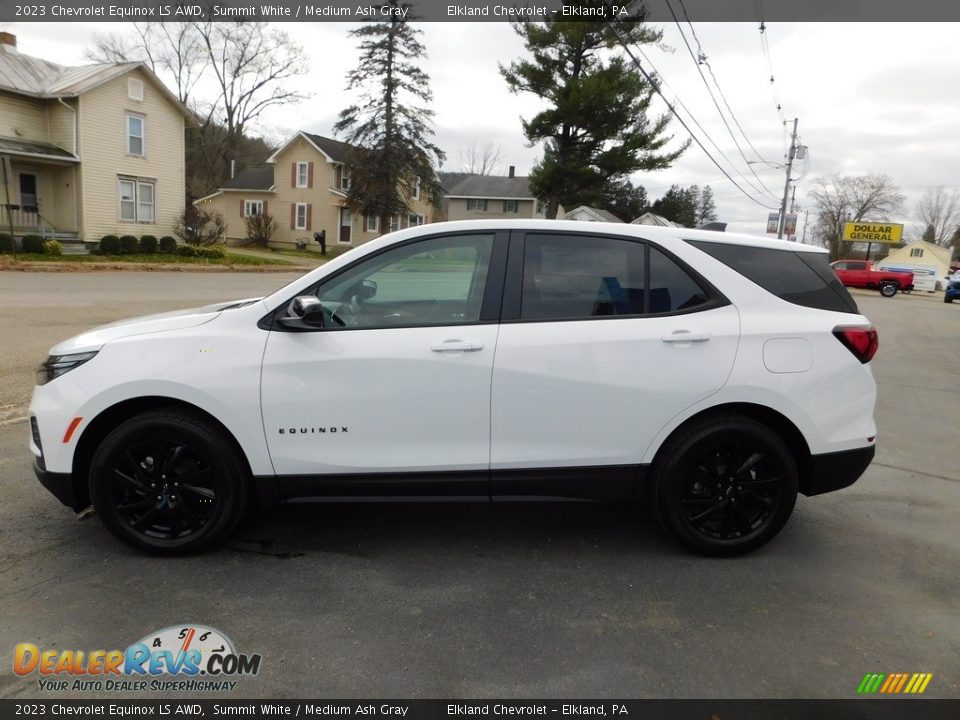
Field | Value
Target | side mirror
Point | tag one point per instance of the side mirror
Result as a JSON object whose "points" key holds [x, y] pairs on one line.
{"points": [[306, 313], [368, 289]]}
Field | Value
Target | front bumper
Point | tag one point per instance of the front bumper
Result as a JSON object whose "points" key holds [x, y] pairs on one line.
{"points": [[60, 484], [836, 470]]}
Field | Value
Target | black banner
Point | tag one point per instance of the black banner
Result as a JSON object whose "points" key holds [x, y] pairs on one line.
{"points": [[475, 11], [886, 709]]}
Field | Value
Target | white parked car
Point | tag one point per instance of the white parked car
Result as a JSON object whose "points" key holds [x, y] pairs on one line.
{"points": [[712, 375]]}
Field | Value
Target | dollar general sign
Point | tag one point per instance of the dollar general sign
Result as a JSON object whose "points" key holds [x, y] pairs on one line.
{"points": [[872, 232]]}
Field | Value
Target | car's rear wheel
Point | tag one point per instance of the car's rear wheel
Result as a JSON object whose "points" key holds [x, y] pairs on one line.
{"points": [[888, 289], [724, 486], [168, 482], [947, 299]]}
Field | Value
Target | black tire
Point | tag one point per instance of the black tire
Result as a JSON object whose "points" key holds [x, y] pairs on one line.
{"points": [[947, 300], [696, 487], [888, 289], [168, 482]]}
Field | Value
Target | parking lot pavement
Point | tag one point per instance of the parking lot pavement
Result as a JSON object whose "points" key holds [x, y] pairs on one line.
{"points": [[560, 600]]}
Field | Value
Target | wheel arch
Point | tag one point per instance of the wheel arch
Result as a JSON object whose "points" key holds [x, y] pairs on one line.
{"points": [[98, 428], [776, 421]]}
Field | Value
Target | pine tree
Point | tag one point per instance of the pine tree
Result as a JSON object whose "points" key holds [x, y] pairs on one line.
{"points": [[706, 208], [595, 128], [390, 128]]}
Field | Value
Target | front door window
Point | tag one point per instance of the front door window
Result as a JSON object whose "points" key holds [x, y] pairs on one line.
{"points": [[28, 191]]}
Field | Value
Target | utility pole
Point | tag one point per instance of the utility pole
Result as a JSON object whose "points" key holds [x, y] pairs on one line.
{"points": [[786, 186]]}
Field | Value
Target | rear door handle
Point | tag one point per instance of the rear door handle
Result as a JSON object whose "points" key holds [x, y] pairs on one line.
{"points": [[457, 346], [685, 336]]}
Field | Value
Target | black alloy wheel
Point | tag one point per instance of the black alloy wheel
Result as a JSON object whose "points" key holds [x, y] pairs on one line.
{"points": [[725, 486], [168, 482]]}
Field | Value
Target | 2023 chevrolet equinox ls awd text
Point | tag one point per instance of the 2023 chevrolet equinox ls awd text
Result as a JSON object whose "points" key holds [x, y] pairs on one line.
{"points": [[712, 375]]}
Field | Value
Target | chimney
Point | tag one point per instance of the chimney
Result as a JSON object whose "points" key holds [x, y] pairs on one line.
{"points": [[513, 169], [8, 41]]}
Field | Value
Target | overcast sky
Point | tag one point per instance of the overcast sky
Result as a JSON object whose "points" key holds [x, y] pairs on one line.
{"points": [[869, 98]]}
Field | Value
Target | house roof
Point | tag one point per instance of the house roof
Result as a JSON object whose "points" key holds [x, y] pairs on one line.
{"points": [[26, 75], [941, 253], [30, 148], [598, 214], [463, 185], [255, 178], [650, 218], [335, 150]]}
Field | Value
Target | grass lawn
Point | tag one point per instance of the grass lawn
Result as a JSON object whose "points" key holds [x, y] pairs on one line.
{"points": [[157, 258], [332, 252]]}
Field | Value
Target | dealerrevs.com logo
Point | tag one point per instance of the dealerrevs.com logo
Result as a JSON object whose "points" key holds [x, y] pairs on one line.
{"points": [[185, 658]]}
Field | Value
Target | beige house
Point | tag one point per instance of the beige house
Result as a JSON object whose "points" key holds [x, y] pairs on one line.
{"points": [[485, 197], [929, 263], [87, 151], [304, 188], [585, 213]]}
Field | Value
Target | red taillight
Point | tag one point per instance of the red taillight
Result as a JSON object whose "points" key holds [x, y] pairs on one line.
{"points": [[861, 341]]}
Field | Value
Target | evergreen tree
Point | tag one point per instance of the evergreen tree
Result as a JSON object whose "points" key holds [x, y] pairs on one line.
{"points": [[595, 128], [706, 208], [625, 200], [679, 204], [390, 127]]}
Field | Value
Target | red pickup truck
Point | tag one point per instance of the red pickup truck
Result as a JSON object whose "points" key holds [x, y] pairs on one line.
{"points": [[860, 274]]}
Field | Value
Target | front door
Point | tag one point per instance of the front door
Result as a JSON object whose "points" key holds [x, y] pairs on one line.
{"points": [[609, 340], [346, 222], [28, 191], [398, 380]]}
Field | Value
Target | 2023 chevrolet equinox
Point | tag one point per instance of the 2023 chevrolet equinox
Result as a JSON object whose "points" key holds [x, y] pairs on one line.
{"points": [[711, 375]]}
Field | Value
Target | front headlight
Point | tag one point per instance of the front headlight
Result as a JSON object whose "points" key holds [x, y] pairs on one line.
{"points": [[56, 365]]}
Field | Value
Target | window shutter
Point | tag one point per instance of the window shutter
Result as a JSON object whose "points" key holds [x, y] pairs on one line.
{"points": [[293, 212], [293, 175], [310, 174], [264, 207], [309, 214], [243, 207]]}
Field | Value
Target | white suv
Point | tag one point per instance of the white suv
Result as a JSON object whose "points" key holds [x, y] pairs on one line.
{"points": [[709, 374]]}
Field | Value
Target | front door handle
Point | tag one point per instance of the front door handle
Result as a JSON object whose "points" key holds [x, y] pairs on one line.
{"points": [[457, 346], [685, 336]]}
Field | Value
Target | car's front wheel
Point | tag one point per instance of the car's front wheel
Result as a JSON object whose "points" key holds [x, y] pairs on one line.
{"points": [[168, 482], [724, 485], [888, 289]]}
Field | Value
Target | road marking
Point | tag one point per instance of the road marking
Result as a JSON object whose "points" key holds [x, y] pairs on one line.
{"points": [[12, 421]]}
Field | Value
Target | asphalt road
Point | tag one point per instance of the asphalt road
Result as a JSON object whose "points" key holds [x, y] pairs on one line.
{"points": [[560, 600]]}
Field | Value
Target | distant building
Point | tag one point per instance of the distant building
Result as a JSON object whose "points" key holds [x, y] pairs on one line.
{"points": [[650, 218], [485, 197], [591, 214], [929, 263]]}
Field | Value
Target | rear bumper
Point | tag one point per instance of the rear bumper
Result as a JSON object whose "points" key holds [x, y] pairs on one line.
{"points": [[60, 484], [835, 471]]}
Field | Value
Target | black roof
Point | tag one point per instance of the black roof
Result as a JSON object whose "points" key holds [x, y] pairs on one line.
{"points": [[336, 149], [255, 178]]}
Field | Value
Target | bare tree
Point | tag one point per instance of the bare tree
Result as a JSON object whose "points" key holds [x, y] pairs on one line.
{"points": [[849, 198], [481, 158], [938, 213]]}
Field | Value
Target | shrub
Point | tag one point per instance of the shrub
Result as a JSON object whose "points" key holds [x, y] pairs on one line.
{"points": [[168, 245], [6, 243], [214, 252], [110, 245], [200, 227], [260, 228], [148, 244], [32, 244], [187, 251], [129, 245], [52, 247]]}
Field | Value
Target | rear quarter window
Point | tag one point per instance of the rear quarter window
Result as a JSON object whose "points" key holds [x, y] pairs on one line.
{"points": [[801, 278]]}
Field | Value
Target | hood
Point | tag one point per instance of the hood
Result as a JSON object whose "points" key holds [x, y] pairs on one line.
{"points": [[177, 320]]}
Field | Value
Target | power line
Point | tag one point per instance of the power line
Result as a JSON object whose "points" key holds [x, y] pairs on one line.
{"points": [[698, 61], [656, 87], [766, 53]]}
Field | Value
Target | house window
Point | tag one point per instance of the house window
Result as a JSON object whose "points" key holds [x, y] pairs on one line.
{"points": [[135, 89], [510, 206], [479, 205], [341, 179], [252, 208], [415, 220], [916, 252], [135, 135], [541, 207], [137, 200], [301, 216], [303, 174], [415, 191], [371, 223]]}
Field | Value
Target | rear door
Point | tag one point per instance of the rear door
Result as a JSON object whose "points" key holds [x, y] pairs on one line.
{"points": [[603, 340]]}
